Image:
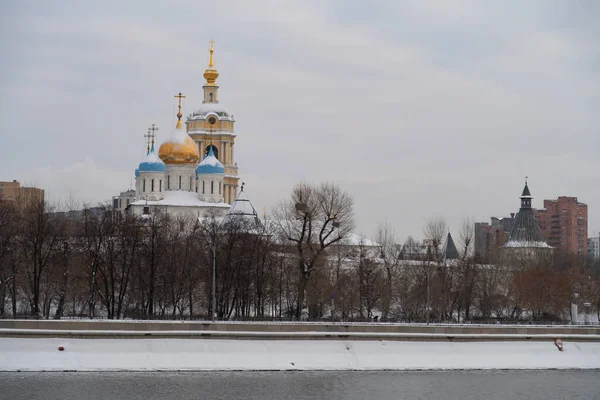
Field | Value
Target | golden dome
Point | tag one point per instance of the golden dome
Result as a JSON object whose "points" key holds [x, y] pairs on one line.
{"points": [[211, 74], [179, 149]]}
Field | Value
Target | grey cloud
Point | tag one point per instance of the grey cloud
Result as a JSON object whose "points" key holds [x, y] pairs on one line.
{"points": [[417, 111]]}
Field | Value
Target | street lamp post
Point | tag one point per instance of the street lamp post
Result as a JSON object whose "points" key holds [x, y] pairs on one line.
{"points": [[214, 283]]}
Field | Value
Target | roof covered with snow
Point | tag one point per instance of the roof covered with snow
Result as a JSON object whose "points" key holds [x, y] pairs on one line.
{"points": [[152, 163], [180, 198], [354, 239], [243, 208], [210, 108], [526, 244], [178, 136], [242, 205], [210, 164]]}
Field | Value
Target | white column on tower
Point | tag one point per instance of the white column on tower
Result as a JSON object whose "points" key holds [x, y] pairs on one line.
{"points": [[229, 147], [224, 145]]}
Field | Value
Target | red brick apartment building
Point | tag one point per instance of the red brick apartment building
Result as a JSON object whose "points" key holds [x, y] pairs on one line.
{"points": [[564, 224]]}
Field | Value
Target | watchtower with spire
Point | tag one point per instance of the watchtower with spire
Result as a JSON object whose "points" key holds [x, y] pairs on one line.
{"points": [[526, 237]]}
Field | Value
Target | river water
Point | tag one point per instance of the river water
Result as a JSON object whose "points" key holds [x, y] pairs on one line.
{"points": [[430, 385]]}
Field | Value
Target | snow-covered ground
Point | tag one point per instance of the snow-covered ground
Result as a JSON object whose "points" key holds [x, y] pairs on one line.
{"points": [[216, 354]]}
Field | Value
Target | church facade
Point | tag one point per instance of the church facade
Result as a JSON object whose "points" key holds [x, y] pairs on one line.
{"points": [[194, 170]]}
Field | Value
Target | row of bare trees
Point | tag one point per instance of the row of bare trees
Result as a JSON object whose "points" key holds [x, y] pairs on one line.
{"points": [[302, 263]]}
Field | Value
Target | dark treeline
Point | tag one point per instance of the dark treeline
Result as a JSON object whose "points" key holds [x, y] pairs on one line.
{"points": [[302, 263]]}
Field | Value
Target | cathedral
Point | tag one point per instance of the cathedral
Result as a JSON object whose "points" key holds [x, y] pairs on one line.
{"points": [[194, 170]]}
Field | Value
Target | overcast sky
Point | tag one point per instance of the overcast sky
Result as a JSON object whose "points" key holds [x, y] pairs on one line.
{"points": [[418, 109]]}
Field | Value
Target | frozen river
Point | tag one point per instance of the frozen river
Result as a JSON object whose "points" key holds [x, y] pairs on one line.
{"points": [[430, 385]]}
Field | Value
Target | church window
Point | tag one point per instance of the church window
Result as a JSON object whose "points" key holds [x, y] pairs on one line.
{"points": [[179, 182], [160, 185], [152, 185], [190, 183], [144, 186], [219, 187], [212, 187], [169, 182], [210, 96], [203, 190]]}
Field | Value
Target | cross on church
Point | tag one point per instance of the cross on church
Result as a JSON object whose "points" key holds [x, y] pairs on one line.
{"points": [[152, 132], [148, 138], [211, 63], [179, 97]]}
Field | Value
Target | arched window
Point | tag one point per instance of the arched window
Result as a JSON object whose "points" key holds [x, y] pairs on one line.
{"points": [[190, 183], [143, 190], [152, 185], [203, 189], [219, 187], [212, 187], [215, 151], [168, 182], [179, 182], [160, 185], [210, 96]]}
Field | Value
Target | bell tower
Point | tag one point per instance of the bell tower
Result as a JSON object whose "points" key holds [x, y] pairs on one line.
{"points": [[211, 126]]}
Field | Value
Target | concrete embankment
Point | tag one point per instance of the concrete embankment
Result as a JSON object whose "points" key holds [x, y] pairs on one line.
{"points": [[203, 346]]}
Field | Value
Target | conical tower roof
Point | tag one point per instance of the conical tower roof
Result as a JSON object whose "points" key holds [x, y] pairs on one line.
{"points": [[243, 209], [526, 231], [450, 251]]}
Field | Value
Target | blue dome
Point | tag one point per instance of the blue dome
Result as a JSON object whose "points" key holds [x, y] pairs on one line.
{"points": [[151, 163], [137, 172], [210, 164]]}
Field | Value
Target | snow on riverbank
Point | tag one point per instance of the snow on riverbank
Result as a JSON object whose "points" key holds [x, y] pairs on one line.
{"points": [[215, 354]]}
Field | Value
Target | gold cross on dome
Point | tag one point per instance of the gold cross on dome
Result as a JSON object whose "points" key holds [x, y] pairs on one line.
{"points": [[179, 97], [211, 63]]}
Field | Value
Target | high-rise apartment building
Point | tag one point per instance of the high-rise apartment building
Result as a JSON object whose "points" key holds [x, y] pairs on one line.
{"points": [[564, 224], [594, 247]]}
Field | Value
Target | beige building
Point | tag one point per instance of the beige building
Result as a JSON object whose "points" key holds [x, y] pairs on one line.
{"points": [[13, 191], [212, 124]]}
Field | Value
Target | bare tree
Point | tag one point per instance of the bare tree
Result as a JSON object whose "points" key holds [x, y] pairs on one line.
{"points": [[466, 269], [389, 254], [39, 239], [312, 219], [435, 231], [8, 231]]}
